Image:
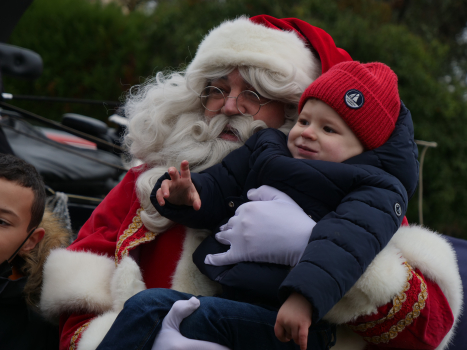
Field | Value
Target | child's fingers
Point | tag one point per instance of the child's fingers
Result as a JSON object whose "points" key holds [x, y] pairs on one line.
{"points": [[197, 204], [302, 338], [281, 333], [174, 175], [165, 189], [185, 170], [195, 200], [160, 197]]}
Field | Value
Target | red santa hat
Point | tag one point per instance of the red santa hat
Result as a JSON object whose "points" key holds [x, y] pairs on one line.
{"points": [[364, 95], [280, 45]]}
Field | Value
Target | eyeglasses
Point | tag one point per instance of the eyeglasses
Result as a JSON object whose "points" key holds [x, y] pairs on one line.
{"points": [[213, 99]]}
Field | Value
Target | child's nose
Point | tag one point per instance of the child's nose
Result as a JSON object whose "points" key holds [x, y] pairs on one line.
{"points": [[309, 133]]}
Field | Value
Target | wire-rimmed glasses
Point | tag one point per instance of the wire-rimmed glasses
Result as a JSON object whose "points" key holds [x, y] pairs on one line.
{"points": [[213, 99]]}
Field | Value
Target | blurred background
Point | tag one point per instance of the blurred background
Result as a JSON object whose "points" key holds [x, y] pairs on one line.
{"points": [[99, 49]]}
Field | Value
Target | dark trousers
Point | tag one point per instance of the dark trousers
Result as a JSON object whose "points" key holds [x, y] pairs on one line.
{"points": [[237, 325]]}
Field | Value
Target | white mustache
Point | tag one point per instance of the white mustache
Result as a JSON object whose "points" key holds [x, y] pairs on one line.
{"points": [[240, 125]]}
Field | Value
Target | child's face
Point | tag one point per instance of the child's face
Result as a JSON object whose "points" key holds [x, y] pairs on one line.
{"points": [[321, 134], [15, 215]]}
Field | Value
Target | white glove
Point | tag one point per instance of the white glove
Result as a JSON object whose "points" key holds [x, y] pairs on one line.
{"points": [[272, 229], [169, 338]]}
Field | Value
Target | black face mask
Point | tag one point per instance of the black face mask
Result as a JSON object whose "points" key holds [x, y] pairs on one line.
{"points": [[5, 272], [6, 268]]}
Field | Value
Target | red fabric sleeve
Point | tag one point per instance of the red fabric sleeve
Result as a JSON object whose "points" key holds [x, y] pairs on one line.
{"points": [[71, 328], [418, 318], [99, 234]]}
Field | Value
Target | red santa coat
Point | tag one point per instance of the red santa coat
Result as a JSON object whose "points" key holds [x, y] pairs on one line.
{"points": [[115, 256]]}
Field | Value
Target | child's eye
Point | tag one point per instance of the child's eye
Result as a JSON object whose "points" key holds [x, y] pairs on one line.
{"points": [[303, 122], [329, 130], [4, 223]]}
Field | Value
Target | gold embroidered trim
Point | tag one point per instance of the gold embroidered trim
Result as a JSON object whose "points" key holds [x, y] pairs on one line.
{"points": [[409, 318], [76, 335], [148, 236], [396, 302], [132, 228]]}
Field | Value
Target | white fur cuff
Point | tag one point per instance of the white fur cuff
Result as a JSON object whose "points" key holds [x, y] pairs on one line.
{"points": [[96, 331], [76, 281]]}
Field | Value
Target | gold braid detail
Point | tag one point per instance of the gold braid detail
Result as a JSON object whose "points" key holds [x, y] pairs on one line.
{"points": [[132, 228], [135, 225], [396, 302], [148, 236], [76, 335], [409, 318]]}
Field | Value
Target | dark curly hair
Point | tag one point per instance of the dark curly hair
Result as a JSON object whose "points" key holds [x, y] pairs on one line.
{"points": [[18, 171]]}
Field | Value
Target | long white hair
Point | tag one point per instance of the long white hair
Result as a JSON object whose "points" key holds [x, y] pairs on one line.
{"points": [[167, 125]]}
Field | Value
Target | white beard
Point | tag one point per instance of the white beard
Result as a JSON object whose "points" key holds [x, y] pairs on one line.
{"points": [[196, 140]]}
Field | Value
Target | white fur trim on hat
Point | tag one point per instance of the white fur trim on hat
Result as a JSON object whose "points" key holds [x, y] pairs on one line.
{"points": [[241, 42]]}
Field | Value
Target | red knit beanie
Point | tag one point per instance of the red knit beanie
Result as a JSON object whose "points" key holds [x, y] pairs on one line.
{"points": [[364, 95]]}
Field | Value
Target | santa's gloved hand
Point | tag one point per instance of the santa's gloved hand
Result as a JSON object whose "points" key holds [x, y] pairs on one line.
{"points": [[169, 338], [272, 229]]}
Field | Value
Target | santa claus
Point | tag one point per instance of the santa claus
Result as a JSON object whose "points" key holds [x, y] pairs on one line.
{"points": [[127, 247]]}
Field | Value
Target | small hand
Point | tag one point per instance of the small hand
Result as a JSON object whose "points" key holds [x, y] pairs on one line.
{"points": [[293, 320], [170, 338], [179, 190]]}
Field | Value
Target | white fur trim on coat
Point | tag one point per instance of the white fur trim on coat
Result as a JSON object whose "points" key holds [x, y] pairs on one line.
{"points": [[437, 260], [76, 281], [87, 282], [96, 331], [187, 277], [385, 277], [126, 282], [241, 42]]}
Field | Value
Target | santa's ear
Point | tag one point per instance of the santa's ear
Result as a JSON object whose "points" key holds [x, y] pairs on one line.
{"points": [[33, 240]]}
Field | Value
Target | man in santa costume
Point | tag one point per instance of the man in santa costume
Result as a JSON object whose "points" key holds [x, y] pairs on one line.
{"points": [[127, 247]]}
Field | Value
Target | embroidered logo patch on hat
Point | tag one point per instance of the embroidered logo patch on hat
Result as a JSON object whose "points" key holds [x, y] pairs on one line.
{"points": [[354, 99]]}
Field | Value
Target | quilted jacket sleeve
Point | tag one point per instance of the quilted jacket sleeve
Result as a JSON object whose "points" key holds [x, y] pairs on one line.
{"points": [[217, 187], [346, 240]]}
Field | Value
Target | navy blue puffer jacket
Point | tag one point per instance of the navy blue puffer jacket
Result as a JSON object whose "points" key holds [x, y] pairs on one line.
{"points": [[358, 205]]}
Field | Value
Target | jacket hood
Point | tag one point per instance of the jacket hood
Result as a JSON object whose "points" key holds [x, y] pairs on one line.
{"points": [[394, 156]]}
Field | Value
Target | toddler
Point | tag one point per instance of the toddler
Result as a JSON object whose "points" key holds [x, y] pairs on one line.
{"points": [[351, 109]]}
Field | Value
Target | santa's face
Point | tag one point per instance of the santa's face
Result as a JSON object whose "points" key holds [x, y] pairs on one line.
{"points": [[271, 112]]}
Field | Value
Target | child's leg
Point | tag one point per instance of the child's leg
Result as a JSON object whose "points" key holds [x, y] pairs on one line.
{"points": [[140, 320], [242, 326]]}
